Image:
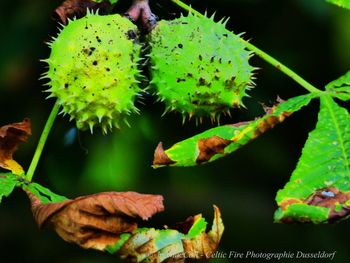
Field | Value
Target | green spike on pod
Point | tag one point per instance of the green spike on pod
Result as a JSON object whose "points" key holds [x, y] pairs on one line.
{"points": [[199, 63], [93, 70]]}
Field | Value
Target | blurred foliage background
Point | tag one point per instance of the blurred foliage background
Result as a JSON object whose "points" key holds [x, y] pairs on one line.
{"points": [[311, 37]]}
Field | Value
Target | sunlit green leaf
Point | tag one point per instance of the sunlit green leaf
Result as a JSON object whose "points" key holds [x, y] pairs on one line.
{"points": [[319, 189]]}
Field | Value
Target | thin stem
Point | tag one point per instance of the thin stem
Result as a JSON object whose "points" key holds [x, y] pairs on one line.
{"points": [[278, 65], [274, 62], [42, 141]]}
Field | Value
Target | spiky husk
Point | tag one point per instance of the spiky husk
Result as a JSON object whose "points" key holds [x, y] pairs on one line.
{"points": [[93, 70], [198, 67]]}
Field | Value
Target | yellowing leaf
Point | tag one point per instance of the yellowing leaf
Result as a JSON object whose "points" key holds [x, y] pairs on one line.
{"points": [[10, 137]]}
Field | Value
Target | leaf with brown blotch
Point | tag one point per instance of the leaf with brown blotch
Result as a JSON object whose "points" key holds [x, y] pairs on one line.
{"points": [[10, 137], [77, 8], [218, 142], [95, 221]]}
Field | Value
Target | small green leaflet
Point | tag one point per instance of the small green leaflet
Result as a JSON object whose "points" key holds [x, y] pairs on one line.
{"points": [[44, 194], [8, 182], [223, 140], [198, 227], [319, 188], [341, 3], [340, 88]]}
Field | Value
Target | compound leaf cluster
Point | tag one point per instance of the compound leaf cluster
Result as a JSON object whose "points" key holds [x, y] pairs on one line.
{"points": [[319, 189]]}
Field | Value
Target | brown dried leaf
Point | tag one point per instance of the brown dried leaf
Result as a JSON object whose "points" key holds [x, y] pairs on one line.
{"points": [[160, 157], [96, 221], [10, 137], [204, 246], [77, 8]]}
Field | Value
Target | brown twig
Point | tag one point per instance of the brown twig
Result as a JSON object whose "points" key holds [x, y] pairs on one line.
{"points": [[140, 9]]}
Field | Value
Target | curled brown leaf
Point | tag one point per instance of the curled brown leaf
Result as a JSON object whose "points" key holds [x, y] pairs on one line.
{"points": [[96, 221], [206, 244], [77, 8], [10, 137]]}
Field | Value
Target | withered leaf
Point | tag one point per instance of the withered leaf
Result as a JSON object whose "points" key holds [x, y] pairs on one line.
{"points": [[96, 221], [77, 8], [203, 246], [187, 240], [10, 137]]}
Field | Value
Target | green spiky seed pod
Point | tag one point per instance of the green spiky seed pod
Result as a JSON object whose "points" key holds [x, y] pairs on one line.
{"points": [[198, 67], [93, 70]]}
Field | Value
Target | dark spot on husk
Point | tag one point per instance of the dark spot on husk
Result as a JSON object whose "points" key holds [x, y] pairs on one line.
{"points": [[178, 80], [201, 81], [210, 147]]}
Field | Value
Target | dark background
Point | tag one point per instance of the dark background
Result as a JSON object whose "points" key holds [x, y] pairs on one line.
{"points": [[310, 36]]}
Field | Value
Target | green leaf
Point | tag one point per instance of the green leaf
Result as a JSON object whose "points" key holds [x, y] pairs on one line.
{"points": [[341, 3], [221, 141], [8, 182], [44, 194], [340, 88], [319, 188]]}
